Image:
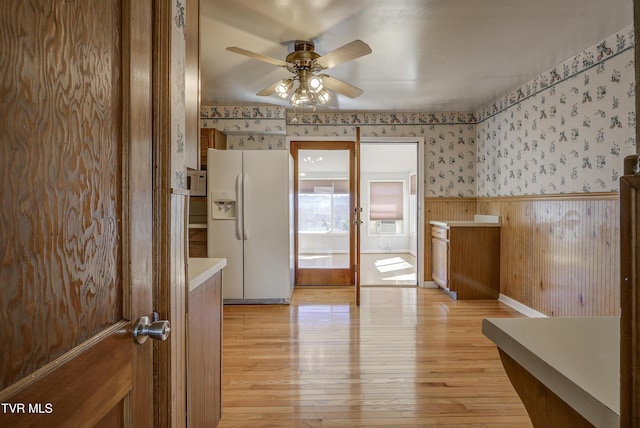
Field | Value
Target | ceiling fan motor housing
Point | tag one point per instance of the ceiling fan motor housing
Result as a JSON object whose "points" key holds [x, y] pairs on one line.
{"points": [[303, 56]]}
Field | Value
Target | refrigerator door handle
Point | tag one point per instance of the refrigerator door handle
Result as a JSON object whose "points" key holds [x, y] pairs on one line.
{"points": [[245, 209], [239, 208]]}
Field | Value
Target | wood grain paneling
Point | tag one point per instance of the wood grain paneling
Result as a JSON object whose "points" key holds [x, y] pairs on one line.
{"points": [[444, 209], [560, 254], [60, 178]]}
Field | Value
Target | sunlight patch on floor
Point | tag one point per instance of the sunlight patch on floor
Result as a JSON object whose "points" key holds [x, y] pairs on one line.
{"points": [[392, 264]]}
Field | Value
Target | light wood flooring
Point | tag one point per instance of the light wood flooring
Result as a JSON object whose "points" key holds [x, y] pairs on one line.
{"points": [[407, 357], [387, 269]]}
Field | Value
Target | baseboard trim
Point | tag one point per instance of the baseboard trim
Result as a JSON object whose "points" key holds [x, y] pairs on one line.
{"points": [[429, 284], [520, 307]]}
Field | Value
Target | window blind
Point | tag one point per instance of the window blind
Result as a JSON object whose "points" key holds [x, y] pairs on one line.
{"points": [[386, 200]]}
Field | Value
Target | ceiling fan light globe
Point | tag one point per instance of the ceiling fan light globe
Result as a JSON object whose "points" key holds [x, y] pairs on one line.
{"points": [[315, 84], [302, 97], [283, 88], [323, 96]]}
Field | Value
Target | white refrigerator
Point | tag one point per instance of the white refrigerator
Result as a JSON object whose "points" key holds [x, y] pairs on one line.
{"points": [[250, 223]]}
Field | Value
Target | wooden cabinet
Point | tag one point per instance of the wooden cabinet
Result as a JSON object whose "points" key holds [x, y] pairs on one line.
{"points": [[204, 353], [210, 138], [198, 226], [466, 260], [197, 242], [440, 265]]}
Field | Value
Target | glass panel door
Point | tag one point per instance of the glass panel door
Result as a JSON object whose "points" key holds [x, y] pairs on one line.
{"points": [[323, 213]]}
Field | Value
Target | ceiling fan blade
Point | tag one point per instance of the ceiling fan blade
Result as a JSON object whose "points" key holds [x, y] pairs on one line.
{"points": [[257, 56], [340, 86], [269, 90], [348, 52]]}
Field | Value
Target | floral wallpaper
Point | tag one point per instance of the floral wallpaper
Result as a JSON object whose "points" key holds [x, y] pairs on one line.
{"points": [[565, 131], [248, 127], [178, 116], [450, 141], [450, 137]]}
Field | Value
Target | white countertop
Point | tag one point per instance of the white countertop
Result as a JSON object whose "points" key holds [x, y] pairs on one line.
{"points": [[462, 223], [576, 358], [197, 225], [201, 269], [479, 220]]}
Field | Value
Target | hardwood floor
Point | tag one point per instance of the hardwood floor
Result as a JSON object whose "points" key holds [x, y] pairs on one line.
{"points": [[386, 269], [407, 357]]}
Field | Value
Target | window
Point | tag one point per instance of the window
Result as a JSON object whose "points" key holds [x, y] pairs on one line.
{"points": [[386, 207], [323, 205]]}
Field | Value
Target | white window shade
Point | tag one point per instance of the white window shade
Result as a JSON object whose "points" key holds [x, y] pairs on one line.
{"points": [[386, 200]]}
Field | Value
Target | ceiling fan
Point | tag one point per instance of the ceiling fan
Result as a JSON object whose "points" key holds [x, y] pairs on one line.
{"points": [[306, 64]]}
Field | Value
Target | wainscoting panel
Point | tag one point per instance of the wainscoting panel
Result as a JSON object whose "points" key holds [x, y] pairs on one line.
{"points": [[560, 254], [448, 209]]}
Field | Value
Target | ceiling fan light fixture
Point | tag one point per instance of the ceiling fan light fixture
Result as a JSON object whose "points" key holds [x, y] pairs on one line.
{"points": [[283, 88], [323, 96], [315, 84], [303, 62], [302, 97]]}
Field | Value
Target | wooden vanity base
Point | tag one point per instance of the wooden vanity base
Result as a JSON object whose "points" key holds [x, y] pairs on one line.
{"points": [[545, 408]]}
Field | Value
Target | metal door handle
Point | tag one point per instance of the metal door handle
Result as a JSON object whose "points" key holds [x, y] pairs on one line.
{"points": [[144, 328]]}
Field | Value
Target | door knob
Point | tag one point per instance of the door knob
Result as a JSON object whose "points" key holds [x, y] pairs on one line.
{"points": [[158, 330]]}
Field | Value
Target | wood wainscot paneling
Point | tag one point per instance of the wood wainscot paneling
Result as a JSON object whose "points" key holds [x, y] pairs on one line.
{"points": [[560, 254], [444, 209]]}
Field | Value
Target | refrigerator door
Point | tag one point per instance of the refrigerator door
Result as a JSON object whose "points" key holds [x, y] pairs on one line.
{"points": [[266, 224], [224, 226]]}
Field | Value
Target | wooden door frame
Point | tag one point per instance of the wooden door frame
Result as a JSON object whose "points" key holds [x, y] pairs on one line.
{"points": [[357, 215], [420, 186], [629, 295], [332, 276], [170, 291], [420, 196]]}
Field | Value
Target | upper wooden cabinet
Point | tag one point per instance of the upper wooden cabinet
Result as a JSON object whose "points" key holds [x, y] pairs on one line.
{"points": [[210, 138]]}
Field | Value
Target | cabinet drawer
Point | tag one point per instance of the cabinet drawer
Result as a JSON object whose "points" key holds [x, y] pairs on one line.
{"points": [[439, 232]]}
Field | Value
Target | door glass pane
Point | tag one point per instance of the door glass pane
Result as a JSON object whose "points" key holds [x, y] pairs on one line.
{"points": [[323, 209]]}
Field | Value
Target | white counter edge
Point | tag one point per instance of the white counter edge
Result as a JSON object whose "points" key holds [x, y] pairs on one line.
{"points": [[462, 223], [592, 409], [201, 269]]}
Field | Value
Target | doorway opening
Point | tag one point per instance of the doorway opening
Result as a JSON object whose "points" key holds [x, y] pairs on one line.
{"points": [[389, 189]]}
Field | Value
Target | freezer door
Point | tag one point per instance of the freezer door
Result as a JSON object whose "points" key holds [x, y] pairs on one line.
{"points": [[224, 239], [266, 215]]}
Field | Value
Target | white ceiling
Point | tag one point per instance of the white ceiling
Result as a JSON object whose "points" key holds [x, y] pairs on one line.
{"points": [[428, 55]]}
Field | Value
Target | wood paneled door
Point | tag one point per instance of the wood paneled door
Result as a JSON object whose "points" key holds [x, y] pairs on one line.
{"points": [[76, 224], [325, 197]]}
